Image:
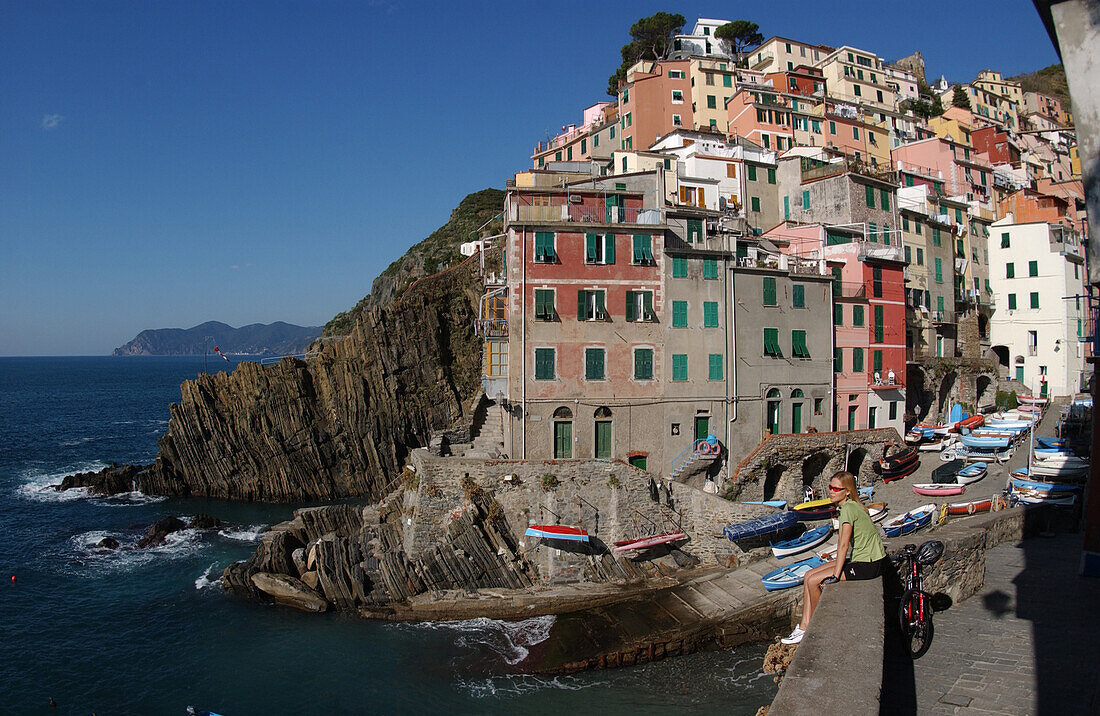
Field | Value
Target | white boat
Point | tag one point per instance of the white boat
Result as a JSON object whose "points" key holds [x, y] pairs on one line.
{"points": [[876, 511], [937, 444], [1043, 468], [1060, 458], [971, 473]]}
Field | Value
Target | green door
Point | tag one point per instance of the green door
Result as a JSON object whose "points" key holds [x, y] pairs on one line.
{"points": [[1043, 389], [702, 427], [1020, 373], [638, 461], [773, 417], [872, 415], [563, 440], [603, 439], [852, 417], [796, 418]]}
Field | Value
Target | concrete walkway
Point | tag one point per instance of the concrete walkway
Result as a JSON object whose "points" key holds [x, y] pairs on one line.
{"points": [[1025, 644]]}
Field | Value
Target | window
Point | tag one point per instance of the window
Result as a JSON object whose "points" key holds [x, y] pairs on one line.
{"points": [[939, 305], [771, 343], [876, 282], [727, 80], [1034, 299], [939, 270], [584, 146], [798, 344], [679, 267], [872, 231], [643, 364], [714, 367], [710, 268], [1012, 302], [878, 324], [1010, 271], [755, 203], [771, 176], [884, 200], [818, 404], [894, 410], [857, 90], [712, 103], [544, 364], [832, 127], [917, 226], [752, 172], [591, 305], [855, 133], [1033, 268], [695, 231], [936, 237], [904, 222], [563, 434], [920, 257], [838, 314], [877, 361], [805, 199], [643, 249], [599, 249], [857, 360], [857, 316], [639, 306], [769, 291], [544, 304], [798, 295], [710, 314], [1004, 240], [677, 97], [679, 314], [679, 367], [593, 364], [908, 255], [869, 192], [675, 75], [838, 360], [544, 247], [676, 120]]}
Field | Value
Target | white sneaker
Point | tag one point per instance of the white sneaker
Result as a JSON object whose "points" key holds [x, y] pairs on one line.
{"points": [[795, 637]]}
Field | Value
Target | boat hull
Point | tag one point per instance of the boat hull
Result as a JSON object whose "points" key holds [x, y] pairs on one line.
{"points": [[760, 526], [938, 490], [557, 532], [808, 540], [789, 576], [910, 522], [647, 542]]}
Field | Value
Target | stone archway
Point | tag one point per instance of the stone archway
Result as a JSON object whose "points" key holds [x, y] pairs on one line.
{"points": [[771, 480], [982, 384], [1002, 355], [855, 461], [812, 469]]}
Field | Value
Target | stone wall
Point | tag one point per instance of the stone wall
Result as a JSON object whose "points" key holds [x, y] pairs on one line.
{"points": [[782, 464], [933, 387]]}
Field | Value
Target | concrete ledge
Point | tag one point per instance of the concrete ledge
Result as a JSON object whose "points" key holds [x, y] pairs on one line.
{"points": [[838, 666]]}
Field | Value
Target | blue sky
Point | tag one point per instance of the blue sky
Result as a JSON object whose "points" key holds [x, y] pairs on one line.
{"points": [[167, 163]]}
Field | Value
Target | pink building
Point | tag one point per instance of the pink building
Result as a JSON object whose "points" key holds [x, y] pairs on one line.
{"points": [[962, 171]]}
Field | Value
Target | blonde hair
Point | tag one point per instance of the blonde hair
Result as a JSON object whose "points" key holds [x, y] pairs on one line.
{"points": [[848, 481]]}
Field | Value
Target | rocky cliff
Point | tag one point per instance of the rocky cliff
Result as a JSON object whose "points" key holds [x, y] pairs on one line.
{"points": [[335, 426]]}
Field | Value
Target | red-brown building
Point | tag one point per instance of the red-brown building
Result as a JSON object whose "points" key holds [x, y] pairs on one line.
{"points": [[995, 144]]}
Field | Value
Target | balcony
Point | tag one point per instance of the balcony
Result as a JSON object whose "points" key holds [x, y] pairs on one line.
{"points": [[582, 214], [871, 250], [845, 289], [885, 383], [493, 327]]}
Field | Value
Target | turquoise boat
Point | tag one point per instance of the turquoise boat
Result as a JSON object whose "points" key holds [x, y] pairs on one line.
{"points": [[791, 575]]}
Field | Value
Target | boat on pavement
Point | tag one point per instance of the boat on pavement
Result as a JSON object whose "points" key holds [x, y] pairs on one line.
{"points": [[791, 575], [815, 510], [759, 526], [876, 511], [897, 464], [807, 540], [910, 522], [647, 542], [971, 473], [938, 489], [557, 532], [973, 507]]}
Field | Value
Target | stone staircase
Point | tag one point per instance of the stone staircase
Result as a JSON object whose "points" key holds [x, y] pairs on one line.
{"points": [[488, 433]]}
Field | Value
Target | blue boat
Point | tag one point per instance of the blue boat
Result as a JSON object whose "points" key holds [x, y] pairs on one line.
{"points": [[791, 575], [758, 526], [866, 492], [1054, 443], [910, 522], [807, 540], [1020, 480], [957, 414], [781, 504], [984, 442]]}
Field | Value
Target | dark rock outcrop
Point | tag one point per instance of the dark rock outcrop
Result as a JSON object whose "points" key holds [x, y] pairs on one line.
{"points": [[204, 522], [289, 592], [112, 480], [107, 543], [160, 530]]}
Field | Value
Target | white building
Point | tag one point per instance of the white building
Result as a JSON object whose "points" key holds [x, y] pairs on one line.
{"points": [[1037, 274], [700, 43]]}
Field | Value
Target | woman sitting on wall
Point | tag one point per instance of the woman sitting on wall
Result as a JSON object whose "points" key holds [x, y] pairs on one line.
{"points": [[859, 551]]}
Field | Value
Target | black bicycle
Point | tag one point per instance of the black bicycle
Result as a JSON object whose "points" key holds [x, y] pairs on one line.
{"points": [[915, 611]]}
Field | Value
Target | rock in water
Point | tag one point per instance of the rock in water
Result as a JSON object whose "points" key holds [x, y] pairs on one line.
{"points": [[109, 481], [289, 592], [107, 543], [161, 529], [204, 522]]}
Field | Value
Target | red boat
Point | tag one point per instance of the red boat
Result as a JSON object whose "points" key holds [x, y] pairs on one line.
{"points": [[898, 464], [969, 508], [974, 421], [574, 534], [646, 542]]}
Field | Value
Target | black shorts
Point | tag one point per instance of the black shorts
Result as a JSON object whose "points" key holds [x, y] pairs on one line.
{"points": [[854, 571]]}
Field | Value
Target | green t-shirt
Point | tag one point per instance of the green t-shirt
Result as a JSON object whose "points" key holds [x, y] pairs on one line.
{"points": [[866, 544]]}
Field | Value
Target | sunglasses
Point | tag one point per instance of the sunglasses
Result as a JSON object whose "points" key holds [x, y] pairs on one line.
{"points": [[835, 489]]}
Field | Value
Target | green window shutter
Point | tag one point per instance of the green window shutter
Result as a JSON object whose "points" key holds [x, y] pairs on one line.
{"points": [[609, 249], [872, 231], [838, 314], [643, 364], [752, 173], [878, 361], [836, 280], [679, 367], [769, 291], [920, 257], [771, 342], [799, 349], [630, 314], [884, 199], [904, 222], [935, 236], [714, 366], [939, 270], [908, 254], [939, 304], [886, 234], [878, 324], [1012, 302], [959, 215], [601, 305], [727, 80], [1034, 299], [1004, 240], [1033, 268], [832, 127], [838, 360], [712, 103], [679, 314], [593, 363], [582, 305], [754, 202], [544, 247], [870, 196], [647, 306], [917, 226], [876, 282], [679, 267], [544, 364], [786, 208], [710, 268], [710, 314], [1010, 270], [960, 250], [771, 176], [590, 248], [643, 252], [857, 315], [857, 360], [695, 231], [544, 304], [805, 199], [798, 293]]}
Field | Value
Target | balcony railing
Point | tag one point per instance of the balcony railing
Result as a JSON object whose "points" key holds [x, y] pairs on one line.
{"points": [[579, 213], [869, 249], [493, 327], [847, 289]]}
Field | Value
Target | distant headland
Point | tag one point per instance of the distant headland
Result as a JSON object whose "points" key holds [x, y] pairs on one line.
{"points": [[276, 338]]}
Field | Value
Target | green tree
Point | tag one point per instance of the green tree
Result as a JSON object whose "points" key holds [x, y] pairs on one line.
{"points": [[650, 38], [739, 36], [959, 98]]}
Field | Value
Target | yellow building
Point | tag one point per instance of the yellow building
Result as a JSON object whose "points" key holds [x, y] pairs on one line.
{"points": [[1074, 162], [993, 83], [858, 77], [712, 84], [956, 123], [780, 54]]}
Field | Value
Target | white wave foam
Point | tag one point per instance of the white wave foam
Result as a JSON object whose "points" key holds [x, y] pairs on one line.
{"points": [[511, 640], [244, 534], [205, 582], [74, 442], [38, 486], [128, 555], [127, 499], [521, 684]]}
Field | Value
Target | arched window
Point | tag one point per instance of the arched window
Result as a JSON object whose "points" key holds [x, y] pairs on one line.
{"points": [[797, 393], [603, 435], [774, 393], [563, 433], [602, 413], [563, 413], [774, 397]]}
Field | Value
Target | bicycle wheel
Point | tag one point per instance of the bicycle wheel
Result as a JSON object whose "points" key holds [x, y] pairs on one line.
{"points": [[915, 616]]}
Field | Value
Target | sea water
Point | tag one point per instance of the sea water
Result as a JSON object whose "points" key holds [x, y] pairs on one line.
{"points": [[152, 631]]}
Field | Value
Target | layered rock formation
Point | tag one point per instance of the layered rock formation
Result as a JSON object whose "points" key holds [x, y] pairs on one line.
{"points": [[330, 428]]}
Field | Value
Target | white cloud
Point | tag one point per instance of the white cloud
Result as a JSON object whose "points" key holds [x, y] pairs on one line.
{"points": [[52, 121]]}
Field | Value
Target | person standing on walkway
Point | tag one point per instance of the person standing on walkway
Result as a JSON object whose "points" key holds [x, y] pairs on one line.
{"points": [[858, 535]]}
